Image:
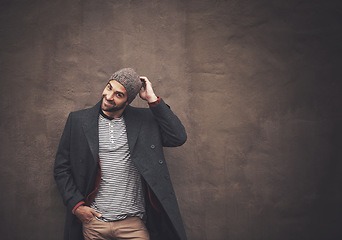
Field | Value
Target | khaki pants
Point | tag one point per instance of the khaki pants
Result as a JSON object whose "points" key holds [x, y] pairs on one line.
{"points": [[129, 228]]}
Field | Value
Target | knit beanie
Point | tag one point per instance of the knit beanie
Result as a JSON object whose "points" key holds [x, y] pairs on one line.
{"points": [[128, 78]]}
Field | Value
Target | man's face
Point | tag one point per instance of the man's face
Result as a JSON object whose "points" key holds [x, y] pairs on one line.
{"points": [[114, 97]]}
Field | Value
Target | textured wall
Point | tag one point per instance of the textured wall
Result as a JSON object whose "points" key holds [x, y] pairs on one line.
{"points": [[256, 83]]}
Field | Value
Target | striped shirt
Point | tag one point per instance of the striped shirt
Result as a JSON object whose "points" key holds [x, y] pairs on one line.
{"points": [[120, 192]]}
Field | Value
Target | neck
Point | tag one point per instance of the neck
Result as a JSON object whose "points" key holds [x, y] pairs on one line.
{"points": [[115, 114]]}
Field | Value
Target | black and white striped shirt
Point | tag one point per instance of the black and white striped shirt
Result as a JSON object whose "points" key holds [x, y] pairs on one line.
{"points": [[120, 192]]}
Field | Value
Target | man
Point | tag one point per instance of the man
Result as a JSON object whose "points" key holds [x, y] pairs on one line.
{"points": [[110, 167]]}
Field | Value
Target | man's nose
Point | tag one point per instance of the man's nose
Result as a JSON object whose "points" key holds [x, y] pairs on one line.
{"points": [[110, 95]]}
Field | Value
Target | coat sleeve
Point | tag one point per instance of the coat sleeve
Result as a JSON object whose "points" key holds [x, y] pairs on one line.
{"points": [[63, 172], [172, 130]]}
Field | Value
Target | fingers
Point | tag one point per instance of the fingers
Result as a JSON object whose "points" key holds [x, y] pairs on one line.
{"points": [[143, 78], [96, 213], [91, 214], [85, 214], [147, 92], [145, 81]]}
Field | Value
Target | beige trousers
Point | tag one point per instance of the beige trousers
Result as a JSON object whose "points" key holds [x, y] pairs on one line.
{"points": [[129, 228]]}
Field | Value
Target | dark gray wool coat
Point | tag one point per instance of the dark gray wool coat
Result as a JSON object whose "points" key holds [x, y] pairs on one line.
{"points": [[77, 165]]}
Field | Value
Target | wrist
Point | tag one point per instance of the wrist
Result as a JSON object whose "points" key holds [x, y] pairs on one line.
{"points": [[155, 103], [152, 99], [77, 206]]}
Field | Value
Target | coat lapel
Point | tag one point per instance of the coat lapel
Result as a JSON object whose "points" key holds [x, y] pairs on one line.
{"points": [[91, 130], [133, 124]]}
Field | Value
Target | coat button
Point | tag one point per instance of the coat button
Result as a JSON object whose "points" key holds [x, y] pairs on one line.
{"points": [[161, 161], [153, 147]]}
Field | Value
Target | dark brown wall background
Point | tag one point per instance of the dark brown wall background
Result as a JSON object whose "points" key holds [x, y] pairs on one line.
{"points": [[256, 83]]}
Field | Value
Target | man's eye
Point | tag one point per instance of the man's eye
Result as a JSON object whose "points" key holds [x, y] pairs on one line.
{"points": [[120, 95]]}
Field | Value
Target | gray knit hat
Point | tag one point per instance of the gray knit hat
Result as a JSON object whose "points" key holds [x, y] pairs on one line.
{"points": [[128, 78]]}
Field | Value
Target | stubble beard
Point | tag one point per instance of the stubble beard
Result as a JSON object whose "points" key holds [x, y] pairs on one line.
{"points": [[114, 108]]}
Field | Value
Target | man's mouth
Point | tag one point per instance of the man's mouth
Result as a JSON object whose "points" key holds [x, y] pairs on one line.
{"points": [[108, 103]]}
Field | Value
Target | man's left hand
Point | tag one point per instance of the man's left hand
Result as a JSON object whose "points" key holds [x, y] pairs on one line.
{"points": [[146, 93]]}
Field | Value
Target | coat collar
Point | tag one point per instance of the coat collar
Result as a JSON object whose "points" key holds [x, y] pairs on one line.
{"points": [[133, 124], [91, 129]]}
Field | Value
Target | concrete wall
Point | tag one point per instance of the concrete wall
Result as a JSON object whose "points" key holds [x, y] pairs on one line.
{"points": [[256, 83]]}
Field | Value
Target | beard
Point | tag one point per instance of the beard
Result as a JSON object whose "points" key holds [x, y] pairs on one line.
{"points": [[113, 107]]}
